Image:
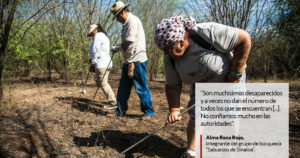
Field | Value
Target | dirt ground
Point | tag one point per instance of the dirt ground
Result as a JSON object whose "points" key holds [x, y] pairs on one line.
{"points": [[51, 119]]}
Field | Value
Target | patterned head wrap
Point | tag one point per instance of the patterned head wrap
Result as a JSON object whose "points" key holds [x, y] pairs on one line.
{"points": [[172, 30]]}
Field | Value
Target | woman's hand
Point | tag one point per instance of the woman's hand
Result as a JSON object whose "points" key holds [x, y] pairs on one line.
{"points": [[174, 116]]}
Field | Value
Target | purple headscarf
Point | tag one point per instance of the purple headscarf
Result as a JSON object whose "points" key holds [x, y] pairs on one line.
{"points": [[172, 30]]}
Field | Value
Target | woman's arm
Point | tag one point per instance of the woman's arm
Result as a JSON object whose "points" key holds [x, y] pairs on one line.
{"points": [[240, 56], [173, 96]]}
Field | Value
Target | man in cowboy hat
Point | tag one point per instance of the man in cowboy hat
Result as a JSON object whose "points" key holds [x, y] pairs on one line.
{"points": [[133, 45]]}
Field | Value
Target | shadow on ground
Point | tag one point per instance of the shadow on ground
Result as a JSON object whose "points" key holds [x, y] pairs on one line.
{"points": [[83, 104], [87, 105], [20, 137], [154, 146]]}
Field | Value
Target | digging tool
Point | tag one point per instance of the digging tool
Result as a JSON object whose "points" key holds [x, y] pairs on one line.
{"points": [[153, 132], [83, 91]]}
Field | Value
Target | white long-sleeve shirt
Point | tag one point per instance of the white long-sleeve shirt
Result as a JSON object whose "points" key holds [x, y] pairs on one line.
{"points": [[100, 51]]}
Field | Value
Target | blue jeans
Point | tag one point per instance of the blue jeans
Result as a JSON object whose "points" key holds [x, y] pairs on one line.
{"points": [[139, 81]]}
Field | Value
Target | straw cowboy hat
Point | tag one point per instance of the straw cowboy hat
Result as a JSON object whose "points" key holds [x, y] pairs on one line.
{"points": [[92, 27], [118, 7]]}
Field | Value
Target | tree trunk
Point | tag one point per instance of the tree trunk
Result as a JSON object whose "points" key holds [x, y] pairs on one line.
{"points": [[265, 74], [65, 67], [1, 78], [49, 69], [7, 13]]}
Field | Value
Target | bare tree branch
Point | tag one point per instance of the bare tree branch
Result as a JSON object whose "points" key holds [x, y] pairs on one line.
{"points": [[24, 34]]}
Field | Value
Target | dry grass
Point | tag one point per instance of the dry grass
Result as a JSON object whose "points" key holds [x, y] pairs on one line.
{"points": [[51, 119]]}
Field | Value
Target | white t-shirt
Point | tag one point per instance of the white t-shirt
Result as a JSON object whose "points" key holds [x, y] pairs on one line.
{"points": [[100, 52], [133, 31], [199, 64]]}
